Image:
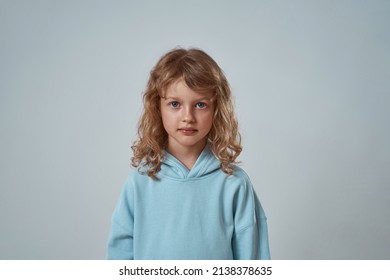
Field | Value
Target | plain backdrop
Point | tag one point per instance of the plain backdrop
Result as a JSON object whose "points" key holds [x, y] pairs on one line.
{"points": [[311, 81]]}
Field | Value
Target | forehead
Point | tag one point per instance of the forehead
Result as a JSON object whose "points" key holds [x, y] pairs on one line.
{"points": [[179, 89]]}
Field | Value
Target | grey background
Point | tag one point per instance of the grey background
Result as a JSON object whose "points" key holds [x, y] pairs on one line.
{"points": [[311, 85]]}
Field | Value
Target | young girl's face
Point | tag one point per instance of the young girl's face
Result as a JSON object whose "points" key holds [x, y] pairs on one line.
{"points": [[187, 116]]}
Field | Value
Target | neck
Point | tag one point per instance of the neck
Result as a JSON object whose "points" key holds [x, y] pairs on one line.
{"points": [[186, 155]]}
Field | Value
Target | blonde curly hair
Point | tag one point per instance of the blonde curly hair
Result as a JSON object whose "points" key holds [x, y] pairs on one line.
{"points": [[201, 73]]}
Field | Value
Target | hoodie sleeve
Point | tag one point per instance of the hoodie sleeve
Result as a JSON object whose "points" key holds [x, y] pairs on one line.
{"points": [[120, 242], [250, 238]]}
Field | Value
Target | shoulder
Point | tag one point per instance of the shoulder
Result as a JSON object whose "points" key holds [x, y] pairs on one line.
{"points": [[247, 193], [133, 179], [136, 174], [240, 184], [239, 172], [240, 176]]}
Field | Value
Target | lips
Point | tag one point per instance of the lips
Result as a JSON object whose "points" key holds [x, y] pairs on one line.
{"points": [[187, 130]]}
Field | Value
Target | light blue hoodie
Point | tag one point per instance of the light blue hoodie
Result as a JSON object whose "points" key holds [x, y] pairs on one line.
{"points": [[201, 213]]}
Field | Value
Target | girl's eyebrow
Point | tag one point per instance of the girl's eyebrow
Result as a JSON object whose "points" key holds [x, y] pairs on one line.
{"points": [[170, 97], [178, 98]]}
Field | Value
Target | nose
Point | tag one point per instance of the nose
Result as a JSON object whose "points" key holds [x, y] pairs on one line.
{"points": [[188, 115]]}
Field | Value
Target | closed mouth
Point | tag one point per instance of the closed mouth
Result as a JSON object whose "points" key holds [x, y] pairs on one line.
{"points": [[187, 129]]}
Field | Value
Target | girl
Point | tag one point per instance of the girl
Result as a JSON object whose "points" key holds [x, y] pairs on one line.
{"points": [[187, 199]]}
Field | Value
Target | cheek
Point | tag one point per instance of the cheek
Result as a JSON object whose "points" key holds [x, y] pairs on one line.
{"points": [[163, 112], [207, 120], [164, 118], [168, 119]]}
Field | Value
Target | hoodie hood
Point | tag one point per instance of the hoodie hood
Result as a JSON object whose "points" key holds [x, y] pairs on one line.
{"points": [[205, 164]]}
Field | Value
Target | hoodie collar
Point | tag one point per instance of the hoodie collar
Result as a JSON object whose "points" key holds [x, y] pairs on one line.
{"points": [[204, 165]]}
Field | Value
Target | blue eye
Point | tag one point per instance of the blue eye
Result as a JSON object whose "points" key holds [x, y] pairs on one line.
{"points": [[200, 105], [174, 104]]}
